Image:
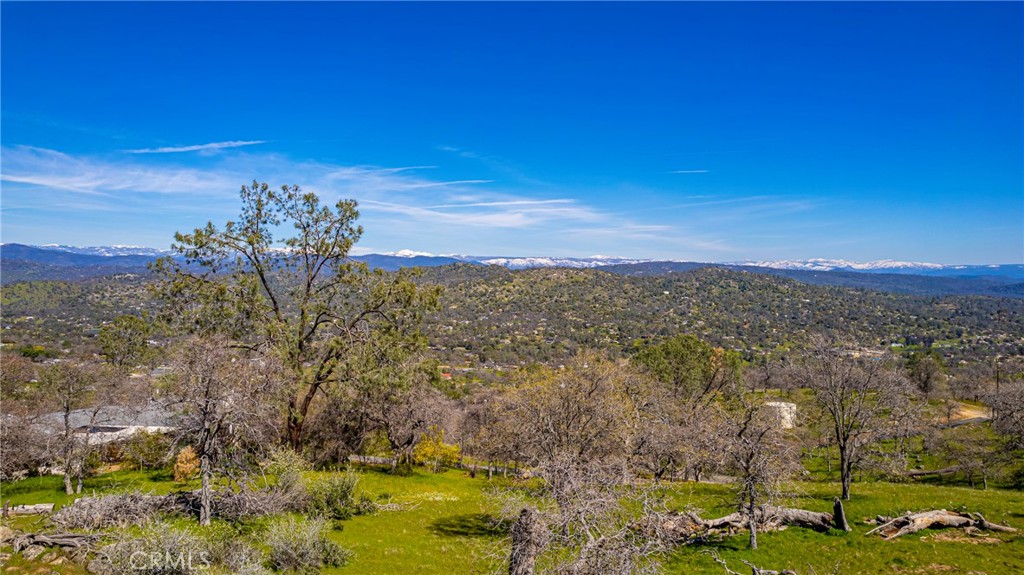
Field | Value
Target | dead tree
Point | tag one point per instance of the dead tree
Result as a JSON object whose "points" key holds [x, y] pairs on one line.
{"points": [[224, 399], [761, 459], [858, 398], [72, 387]]}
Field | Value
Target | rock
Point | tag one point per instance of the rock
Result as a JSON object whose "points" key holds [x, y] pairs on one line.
{"points": [[6, 534], [32, 552], [96, 566], [49, 557], [4, 558]]}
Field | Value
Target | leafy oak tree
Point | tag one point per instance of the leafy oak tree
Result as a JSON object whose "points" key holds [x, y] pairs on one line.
{"points": [[124, 341], [300, 295]]}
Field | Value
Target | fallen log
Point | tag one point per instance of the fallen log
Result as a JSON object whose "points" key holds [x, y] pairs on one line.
{"points": [[935, 519], [927, 472], [686, 527], [798, 517], [74, 540], [35, 509]]}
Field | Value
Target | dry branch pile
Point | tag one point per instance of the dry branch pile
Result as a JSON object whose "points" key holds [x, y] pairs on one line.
{"points": [[136, 508], [111, 511], [934, 519]]}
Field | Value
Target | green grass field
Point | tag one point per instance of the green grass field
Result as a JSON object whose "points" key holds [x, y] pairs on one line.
{"points": [[441, 524]]}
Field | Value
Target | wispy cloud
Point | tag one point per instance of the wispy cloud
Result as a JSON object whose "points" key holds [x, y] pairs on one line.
{"points": [[401, 207], [505, 203], [197, 147], [445, 184], [689, 171], [506, 168], [51, 169]]}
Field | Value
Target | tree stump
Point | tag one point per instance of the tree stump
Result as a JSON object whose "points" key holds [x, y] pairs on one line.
{"points": [[839, 515], [527, 541]]}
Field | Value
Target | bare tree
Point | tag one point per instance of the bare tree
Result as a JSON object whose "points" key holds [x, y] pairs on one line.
{"points": [[684, 422], [404, 414], [72, 388], [581, 411], [226, 400], [762, 460], [1008, 411], [22, 442], [858, 396], [576, 427], [585, 518], [481, 429], [972, 381]]}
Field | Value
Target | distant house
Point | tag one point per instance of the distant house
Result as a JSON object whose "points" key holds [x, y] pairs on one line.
{"points": [[111, 422]]}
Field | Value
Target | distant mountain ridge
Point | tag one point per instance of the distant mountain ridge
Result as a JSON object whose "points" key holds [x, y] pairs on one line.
{"points": [[105, 251], [890, 267], [54, 262]]}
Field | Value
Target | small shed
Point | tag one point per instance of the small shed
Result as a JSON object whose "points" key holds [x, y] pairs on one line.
{"points": [[785, 411]]}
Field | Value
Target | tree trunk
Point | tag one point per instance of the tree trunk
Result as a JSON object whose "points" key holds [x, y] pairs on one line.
{"points": [[205, 495], [68, 487], [839, 515], [845, 473], [293, 432], [527, 541]]}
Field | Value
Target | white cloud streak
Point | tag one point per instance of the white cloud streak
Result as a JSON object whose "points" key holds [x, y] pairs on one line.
{"points": [[197, 147], [400, 206]]}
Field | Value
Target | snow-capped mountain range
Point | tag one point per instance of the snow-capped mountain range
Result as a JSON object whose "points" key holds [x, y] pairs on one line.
{"points": [[122, 254], [107, 250], [825, 265], [517, 263]]}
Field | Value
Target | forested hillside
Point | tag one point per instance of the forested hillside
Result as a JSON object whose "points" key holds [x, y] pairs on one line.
{"points": [[494, 316], [498, 316]]}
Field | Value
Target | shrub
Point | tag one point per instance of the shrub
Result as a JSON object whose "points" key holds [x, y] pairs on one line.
{"points": [[334, 496], [159, 549], [286, 466], [299, 545], [433, 451], [243, 559], [147, 450], [186, 466]]}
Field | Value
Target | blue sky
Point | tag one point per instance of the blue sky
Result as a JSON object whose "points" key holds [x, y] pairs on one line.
{"points": [[691, 131]]}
